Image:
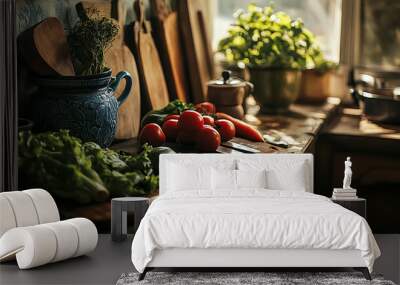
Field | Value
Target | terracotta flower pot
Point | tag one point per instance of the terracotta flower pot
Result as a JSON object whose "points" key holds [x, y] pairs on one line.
{"points": [[317, 86]]}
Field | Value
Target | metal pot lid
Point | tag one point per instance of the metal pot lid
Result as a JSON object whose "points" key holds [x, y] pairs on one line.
{"points": [[380, 72], [378, 78], [227, 81]]}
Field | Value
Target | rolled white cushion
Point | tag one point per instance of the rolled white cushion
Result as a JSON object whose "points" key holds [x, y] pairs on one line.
{"points": [[87, 235], [66, 238], [33, 246], [45, 205], [7, 218], [23, 208], [41, 244]]}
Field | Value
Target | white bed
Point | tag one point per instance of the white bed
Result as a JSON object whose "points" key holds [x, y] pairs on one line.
{"points": [[194, 223]]}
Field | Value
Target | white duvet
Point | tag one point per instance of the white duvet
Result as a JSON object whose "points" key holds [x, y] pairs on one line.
{"points": [[250, 219]]}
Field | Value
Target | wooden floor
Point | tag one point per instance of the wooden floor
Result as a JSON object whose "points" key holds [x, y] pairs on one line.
{"points": [[110, 260]]}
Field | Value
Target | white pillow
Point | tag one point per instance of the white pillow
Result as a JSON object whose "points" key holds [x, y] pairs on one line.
{"points": [[224, 179], [282, 174], [295, 181], [228, 179], [251, 178], [183, 177]]}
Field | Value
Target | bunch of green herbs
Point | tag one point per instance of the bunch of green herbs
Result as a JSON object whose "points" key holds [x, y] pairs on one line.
{"points": [[88, 41]]}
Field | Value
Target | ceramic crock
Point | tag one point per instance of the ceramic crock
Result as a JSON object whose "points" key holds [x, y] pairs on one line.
{"points": [[275, 89], [228, 93], [85, 105]]}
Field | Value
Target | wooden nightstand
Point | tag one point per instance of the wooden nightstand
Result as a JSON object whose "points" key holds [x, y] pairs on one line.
{"points": [[358, 206]]}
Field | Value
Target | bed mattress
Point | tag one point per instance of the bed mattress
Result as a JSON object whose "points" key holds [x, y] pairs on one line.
{"points": [[250, 219]]}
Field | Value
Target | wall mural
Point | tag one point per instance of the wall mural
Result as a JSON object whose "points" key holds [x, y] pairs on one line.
{"points": [[31, 12], [87, 189]]}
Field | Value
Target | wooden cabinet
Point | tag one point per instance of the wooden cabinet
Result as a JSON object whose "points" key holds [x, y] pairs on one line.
{"points": [[358, 206], [375, 153]]}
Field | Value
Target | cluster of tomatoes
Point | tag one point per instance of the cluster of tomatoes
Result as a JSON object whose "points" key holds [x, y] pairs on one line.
{"points": [[190, 128]]}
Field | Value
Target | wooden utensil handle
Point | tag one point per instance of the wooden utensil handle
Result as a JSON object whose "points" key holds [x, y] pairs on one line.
{"points": [[160, 9], [206, 42], [139, 9]]}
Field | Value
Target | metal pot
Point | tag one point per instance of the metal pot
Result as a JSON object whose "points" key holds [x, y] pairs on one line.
{"points": [[85, 105], [377, 94], [275, 89], [380, 108]]}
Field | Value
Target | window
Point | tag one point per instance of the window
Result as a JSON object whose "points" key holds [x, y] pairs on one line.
{"points": [[322, 17], [380, 30]]}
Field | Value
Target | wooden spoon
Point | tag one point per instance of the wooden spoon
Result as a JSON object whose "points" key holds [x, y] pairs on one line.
{"points": [[45, 49]]}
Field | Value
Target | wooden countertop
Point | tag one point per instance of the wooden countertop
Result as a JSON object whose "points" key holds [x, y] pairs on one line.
{"points": [[351, 123], [352, 131], [298, 127]]}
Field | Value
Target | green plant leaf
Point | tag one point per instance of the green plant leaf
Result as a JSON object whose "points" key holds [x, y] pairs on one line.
{"points": [[261, 37]]}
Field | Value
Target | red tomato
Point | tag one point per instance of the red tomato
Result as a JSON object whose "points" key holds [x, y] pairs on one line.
{"points": [[205, 108], [152, 134], [226, 129], [208, 139], [190, 121], [172, 116], [187, 137], [170, 129], [208, 120]]}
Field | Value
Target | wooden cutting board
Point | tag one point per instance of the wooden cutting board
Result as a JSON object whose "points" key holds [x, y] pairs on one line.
{"points": [[197, 46], [169, 40], [119, 58], [45, 49], [151, 73]]}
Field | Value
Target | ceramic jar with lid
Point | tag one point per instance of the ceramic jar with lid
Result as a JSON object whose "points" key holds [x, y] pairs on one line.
{"points": [[228, 93]]}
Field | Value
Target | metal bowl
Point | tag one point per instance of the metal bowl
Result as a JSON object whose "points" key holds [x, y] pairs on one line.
{"points": [[380, 108]]}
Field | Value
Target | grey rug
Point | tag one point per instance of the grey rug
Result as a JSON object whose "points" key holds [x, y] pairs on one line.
{"points": [[243, 278]]}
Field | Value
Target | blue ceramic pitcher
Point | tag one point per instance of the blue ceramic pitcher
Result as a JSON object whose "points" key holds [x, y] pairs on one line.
{"points": [[85, 105]]}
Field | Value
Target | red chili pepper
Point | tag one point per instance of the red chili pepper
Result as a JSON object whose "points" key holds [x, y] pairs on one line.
{"points": [[243, 129]]}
